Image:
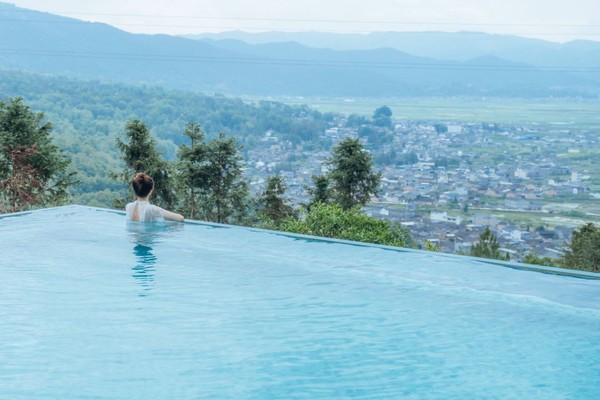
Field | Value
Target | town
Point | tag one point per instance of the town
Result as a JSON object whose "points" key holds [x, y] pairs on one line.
{"points": [[531, 184]]}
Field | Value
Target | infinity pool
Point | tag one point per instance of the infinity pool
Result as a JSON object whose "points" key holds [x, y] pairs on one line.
{"points": [[94, 308]]}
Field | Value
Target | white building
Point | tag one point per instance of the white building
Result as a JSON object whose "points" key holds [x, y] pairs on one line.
{"points": [[455, 129], [435, 216]]}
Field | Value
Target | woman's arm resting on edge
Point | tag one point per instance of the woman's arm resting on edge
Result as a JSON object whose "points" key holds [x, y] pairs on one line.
{"points": [[171, 216]]}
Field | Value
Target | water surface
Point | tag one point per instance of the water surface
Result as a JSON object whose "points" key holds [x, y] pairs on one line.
{"points": [[92, 307]]}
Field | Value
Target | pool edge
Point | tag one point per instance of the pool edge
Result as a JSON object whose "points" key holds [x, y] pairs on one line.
{"points": [[508, 264]]}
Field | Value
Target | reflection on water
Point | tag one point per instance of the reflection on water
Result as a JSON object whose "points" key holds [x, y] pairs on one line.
{"points": [[146, 236], [144, 270]]}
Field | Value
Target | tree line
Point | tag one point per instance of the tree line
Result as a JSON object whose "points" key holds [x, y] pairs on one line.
{"points": [[87, 115], [206, 181]]}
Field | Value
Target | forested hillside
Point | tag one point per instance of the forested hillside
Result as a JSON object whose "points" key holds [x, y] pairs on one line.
{"points": [[89, 116]]}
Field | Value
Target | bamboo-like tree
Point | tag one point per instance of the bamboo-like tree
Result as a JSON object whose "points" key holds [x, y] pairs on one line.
{"points": [[139, 154], [33, 171], [273, 203], [225, 196], [353, 181], [320, 192], [191, 169]]}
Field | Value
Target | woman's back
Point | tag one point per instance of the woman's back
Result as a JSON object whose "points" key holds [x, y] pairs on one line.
{"points": [[143, 211]]}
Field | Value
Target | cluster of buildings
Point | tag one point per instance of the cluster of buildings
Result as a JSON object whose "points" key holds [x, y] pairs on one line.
{"points": [[446, 183]]}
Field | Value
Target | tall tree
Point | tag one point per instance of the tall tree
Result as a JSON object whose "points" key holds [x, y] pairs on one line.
{"points": [[272, 201], [584, 250], [191, 169], [139, 154], [320, 192], [225, 196], [33, 171], [488, 246], [351, 174]]}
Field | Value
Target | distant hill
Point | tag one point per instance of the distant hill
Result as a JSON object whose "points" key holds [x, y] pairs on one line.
{"points": [[459, 46], [46, 43]]}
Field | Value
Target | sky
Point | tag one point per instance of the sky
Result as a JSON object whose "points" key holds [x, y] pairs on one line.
{"points": [[553, 20]]}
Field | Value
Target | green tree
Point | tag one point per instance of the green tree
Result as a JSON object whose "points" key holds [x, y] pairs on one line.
{"points": [[351, 174], [18, 190], [440, 128], [430, 246], [331, 220], [320, 192], [383, 116], [584, 250], [409, 158], [140, 154], [33, 171], [355, 120], [488, 246], [225, 196], [273, 204], [537, 260], [191, 169], [368, 131]]}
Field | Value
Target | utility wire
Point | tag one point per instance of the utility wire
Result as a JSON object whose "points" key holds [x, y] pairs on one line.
{"points": [[271, 28], [282, 29], [392, 25], [342, 21], [291, 61]]}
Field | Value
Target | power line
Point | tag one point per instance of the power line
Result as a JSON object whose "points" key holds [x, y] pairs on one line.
{"points": [[291, 61], [391, 24], [284, 29], [342, 21]]}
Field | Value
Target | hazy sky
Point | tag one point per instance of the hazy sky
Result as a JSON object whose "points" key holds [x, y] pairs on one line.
{"points": [[555, 20]]}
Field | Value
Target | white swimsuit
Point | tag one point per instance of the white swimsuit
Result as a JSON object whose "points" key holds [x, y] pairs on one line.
{"points": [[147, 212]]}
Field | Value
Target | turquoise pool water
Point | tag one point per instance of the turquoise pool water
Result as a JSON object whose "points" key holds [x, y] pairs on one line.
{"points": [[94, 308]]}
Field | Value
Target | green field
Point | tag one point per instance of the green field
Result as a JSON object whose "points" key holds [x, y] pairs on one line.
{"points": [[572, 215], [567, 112]]}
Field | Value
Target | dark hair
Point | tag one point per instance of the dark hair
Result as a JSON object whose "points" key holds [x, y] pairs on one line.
{"points": [[142, 184]]}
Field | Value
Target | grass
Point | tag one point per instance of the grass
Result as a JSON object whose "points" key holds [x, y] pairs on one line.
{"points": [[559, 112]]}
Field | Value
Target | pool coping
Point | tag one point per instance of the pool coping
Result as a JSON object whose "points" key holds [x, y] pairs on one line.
{"points": [[509, 264]]}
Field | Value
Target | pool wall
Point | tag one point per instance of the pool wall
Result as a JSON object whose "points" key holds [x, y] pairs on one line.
{"points": [[508, 264]]}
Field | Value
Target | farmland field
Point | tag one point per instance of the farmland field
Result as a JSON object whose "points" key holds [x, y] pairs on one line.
{"points": [[567, 112]]}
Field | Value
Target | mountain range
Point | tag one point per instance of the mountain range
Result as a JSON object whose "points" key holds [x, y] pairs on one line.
{"points": [[459, 46], [301, 64]]}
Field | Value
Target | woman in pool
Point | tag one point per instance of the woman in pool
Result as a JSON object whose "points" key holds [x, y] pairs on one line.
{"points": [[141, 209]]}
